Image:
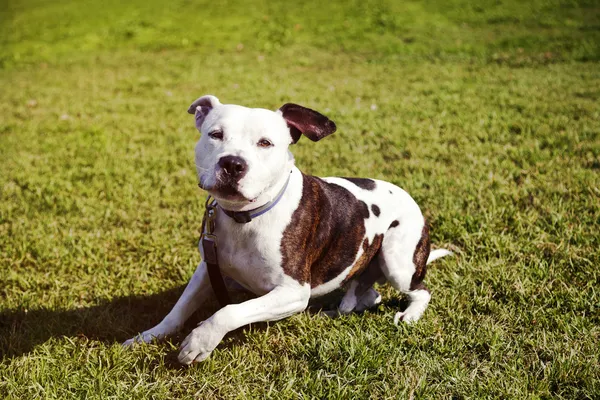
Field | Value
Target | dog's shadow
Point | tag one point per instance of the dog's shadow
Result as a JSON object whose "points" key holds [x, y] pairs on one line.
{"points": [[110, 321], [113, 321]]}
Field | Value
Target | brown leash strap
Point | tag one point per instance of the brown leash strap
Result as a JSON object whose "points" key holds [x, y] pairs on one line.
{"points": [[209, 246]]}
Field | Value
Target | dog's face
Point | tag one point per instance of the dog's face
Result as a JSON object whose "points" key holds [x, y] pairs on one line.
{"points": [[243, 152]]}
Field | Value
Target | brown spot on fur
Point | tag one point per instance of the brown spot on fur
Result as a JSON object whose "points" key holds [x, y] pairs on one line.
{"points": [[363, 183], [394, 224], [375, 209], [364, 209], [420, 259], [325, 233]]}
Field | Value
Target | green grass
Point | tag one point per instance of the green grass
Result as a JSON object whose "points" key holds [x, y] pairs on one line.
{"points": [[487, 114]]}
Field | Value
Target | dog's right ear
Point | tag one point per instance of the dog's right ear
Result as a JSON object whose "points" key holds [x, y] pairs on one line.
{"points": [[202, 106]]}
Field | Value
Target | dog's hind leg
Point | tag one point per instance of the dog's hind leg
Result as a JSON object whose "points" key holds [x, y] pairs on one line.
{"points": [[368, 299], [350, 299], [403, 260], [360, 294]]}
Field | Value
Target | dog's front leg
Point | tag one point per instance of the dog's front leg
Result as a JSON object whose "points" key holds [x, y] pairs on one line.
{"points": [[195, 293], [279, 303]]}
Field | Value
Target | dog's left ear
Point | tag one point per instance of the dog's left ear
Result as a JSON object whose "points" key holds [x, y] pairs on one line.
{"points": [[202, 106], [307, 122]]}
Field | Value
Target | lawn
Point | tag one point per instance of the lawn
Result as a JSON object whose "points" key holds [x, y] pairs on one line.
{"points": [[487, 113]]}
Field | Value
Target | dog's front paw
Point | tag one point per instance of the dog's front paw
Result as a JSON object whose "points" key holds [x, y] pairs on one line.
{"points": [[144, 337], [157, 333], [198, 345]]}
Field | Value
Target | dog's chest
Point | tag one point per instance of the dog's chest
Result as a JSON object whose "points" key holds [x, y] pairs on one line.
{"points": [[250, 255]]}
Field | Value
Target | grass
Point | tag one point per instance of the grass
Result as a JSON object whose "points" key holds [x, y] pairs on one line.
{"points": [[486, 113]]}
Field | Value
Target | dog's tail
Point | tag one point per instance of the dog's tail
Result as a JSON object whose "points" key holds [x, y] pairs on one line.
{"points": [[438, 253]]}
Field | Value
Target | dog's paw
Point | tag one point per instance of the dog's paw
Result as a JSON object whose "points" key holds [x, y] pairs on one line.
{"points": [[156, 333], [406, 316], [143, 337], [198, 345], [369, 299], [348, 304]]}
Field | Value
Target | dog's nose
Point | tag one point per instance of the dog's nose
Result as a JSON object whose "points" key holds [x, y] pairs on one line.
{"points": [[233, 166]]}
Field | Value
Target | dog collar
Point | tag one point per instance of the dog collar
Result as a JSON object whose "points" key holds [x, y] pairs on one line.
{"points": [[243, 217]]}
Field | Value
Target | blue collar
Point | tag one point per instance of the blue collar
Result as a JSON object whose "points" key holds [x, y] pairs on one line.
{"points": [[243, 217]]}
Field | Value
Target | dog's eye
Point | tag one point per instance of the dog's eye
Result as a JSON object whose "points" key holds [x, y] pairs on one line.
{"points": [[264, 143], [217, 134]]}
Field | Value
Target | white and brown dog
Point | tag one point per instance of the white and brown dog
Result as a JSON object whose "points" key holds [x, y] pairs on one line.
{"points": [[287, 236]]}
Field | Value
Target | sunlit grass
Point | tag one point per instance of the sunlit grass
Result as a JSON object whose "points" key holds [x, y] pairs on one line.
{"points": [[487, 114]]}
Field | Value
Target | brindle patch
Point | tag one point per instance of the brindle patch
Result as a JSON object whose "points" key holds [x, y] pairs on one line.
{"points": [[394, 224], [375, 209], [363, 183], [363, 209], [420, 260], [369, 252], [371, 274], [325, 233]]}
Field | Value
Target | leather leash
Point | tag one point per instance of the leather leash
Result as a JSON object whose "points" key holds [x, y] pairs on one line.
{"points": [[208, 241]]}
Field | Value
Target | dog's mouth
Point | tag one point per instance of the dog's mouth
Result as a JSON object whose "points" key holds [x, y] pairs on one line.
{"points": [[224, 188]]}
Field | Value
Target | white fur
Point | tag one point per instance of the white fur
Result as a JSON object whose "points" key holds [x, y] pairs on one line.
{"points": [[352, 302], [286, 299], [251, 253], [438, 253], [419, 299], [242, 129]]}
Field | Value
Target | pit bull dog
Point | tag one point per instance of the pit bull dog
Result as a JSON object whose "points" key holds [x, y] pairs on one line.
{"points": [[287, 236]]}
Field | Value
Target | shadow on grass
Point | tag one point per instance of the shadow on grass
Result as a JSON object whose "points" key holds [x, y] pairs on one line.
{"points": [[117, 320], [110, 321]]}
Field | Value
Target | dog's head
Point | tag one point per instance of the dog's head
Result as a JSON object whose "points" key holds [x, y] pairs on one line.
{"points": [[243, 152]]}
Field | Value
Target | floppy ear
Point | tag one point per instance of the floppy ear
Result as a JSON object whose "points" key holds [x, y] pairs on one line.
{"points": [[307, 122], [202, 106]]}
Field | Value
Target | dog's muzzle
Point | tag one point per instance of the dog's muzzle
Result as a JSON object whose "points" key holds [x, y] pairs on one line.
{"points": [[229, 171], [234, 168]]}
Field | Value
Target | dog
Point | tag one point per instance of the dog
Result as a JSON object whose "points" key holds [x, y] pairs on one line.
{"points": [[289, 237]]}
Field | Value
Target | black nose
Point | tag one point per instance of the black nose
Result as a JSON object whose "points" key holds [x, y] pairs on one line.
{"points": [[233, 166]]}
